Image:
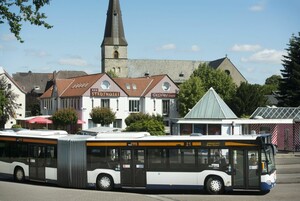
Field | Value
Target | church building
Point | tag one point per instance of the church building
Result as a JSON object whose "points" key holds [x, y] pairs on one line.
{"points": [[114, 56]]}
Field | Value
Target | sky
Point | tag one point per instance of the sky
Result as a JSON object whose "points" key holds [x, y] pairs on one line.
{"points": [[253, 34]]}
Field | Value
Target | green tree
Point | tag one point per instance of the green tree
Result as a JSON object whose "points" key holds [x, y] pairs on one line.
{"points": [[219, 80], [271, 85], [289, 87], [145, 122], [248, 97], [8, 103], [112, 74], [64, 118], [15, 12], [189, 94], [102, 115]]}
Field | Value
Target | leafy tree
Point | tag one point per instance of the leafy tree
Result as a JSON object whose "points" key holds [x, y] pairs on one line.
{"points": [[289, 87], [248, 98], [145, 122], [219, 80], [15, 12], [190, 93], [102, 115], [35, 110], [64, 117], [112, 74], [8, 103], [271, 84]]}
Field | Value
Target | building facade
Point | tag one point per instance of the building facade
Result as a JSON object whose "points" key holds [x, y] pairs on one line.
{"points": [[211, 116], [20, 98], [150, 95]]}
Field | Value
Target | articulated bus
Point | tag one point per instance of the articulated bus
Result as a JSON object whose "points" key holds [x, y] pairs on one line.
{"points": [[138, 160]]}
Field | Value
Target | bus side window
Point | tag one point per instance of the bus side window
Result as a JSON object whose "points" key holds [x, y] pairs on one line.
{"points": [[202, 157], [157, 159], [2, 149], [113, 160], [51, 156]]}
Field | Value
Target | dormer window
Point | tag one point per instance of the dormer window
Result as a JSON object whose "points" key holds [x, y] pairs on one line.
{"points": [[181, 74], [147, 74]]}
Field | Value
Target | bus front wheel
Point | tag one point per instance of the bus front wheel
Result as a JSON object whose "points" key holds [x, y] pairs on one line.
{"points": [[105, 182], [19, 175], [214, 185]]}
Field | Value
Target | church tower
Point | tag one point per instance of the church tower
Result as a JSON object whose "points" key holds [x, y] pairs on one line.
{"points": [[114, 44]]}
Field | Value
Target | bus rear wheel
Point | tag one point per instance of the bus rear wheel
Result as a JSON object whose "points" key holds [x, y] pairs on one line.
{"points": [[105, 182], [19, 175], [214, 185]]}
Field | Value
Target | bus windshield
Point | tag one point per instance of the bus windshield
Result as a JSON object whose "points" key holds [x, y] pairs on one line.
{"points": [[268, 159]]}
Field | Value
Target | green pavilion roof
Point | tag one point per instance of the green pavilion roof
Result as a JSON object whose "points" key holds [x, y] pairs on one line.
{"points": [[211, 106]]}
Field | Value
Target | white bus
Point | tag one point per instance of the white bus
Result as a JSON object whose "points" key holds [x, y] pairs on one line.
{"points": [[138, 160]]}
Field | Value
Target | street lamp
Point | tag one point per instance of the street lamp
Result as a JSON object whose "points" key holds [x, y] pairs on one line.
{"points": [[45, 108]]}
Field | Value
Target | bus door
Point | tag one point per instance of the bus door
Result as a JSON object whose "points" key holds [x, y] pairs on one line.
{"points": [[37, 162], [133, 172], [245, 172]]}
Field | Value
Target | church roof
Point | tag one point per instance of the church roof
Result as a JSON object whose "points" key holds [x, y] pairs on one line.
{"points": [[210, 106], [114, 31], [216, 63], [178, 70]]}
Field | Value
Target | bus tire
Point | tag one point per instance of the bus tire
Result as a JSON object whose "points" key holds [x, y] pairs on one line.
{"points": [[214, 185], [19, 175], [105, 182]]}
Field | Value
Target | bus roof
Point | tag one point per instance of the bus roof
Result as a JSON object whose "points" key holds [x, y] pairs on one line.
{"points": [[49, 134], [147, 137], [125, 136]]}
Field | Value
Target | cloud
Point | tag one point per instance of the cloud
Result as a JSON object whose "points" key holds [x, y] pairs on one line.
{"points": [[257, 7], [245, 48], [195, 48], [266, 56], [8, 37], [169, 46], [73, 61], [36, 53]]}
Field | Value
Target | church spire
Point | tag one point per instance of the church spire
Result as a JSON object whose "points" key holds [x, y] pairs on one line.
{"points": [[114, 31]]}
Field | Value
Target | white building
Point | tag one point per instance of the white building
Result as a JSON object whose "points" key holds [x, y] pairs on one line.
{"points": [[152, 95], [20, 99]]}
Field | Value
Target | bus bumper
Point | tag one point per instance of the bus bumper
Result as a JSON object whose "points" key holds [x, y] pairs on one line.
{"points": [[268, 182]]}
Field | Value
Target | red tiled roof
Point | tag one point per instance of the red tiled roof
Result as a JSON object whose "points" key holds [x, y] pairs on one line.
{"points": [[80, 85], [73, 87], [134, 87]]}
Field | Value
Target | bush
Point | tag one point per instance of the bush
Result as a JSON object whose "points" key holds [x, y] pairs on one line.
{"points": [[143, 122]]}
